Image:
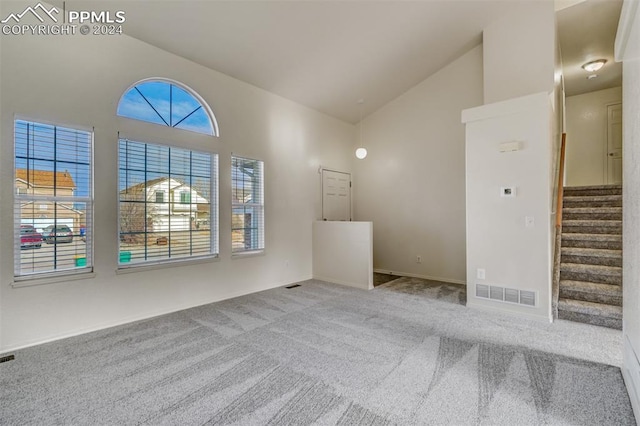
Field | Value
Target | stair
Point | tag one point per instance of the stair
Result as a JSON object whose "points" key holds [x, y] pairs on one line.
{"points": [[590, 278]]}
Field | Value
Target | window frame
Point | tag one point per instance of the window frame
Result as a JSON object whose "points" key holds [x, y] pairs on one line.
{"points": [[259, 206], [56, 275]]}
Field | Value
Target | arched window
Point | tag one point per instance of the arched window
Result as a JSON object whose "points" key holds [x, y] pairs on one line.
{"points": [[169, 104]]}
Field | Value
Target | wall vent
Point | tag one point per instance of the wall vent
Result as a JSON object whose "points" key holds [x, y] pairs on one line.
{"points": [[7, 358], [508, 295], [482, 290]]}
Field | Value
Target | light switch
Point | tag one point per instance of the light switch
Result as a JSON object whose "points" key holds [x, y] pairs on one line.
{"points": [[480, 273]]}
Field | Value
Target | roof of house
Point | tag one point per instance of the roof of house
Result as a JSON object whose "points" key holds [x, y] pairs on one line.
{"points": [[45, 178]]}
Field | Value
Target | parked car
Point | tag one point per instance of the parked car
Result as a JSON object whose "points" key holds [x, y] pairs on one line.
{"points": [[29, 237], [57, 234]]}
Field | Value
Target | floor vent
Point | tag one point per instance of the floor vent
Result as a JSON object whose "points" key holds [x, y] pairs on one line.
{"points": [[509, 295], [7, 358], [293, 286]]}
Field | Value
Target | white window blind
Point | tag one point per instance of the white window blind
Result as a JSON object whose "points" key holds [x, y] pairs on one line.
{"points": [[53, 201], [247, 227], [168, 203]]}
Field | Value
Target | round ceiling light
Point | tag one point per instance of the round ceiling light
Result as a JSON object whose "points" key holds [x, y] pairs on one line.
{"points": [[594, 66]]}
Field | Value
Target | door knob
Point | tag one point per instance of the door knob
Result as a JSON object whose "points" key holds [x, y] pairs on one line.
{"points": [[611, 154]]}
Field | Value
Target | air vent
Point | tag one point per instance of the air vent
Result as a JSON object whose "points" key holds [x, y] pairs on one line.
{"points": [[528, 298], [482, 290], [496, 293], [511, 295], [7, 358], [508, 295]]}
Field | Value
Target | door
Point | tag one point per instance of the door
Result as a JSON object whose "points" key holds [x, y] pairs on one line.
{"points": [[336, 195], [614, 144]]}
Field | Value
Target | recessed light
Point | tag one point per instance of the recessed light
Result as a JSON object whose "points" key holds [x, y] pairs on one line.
{"points": [[594, 65], [592, 76]]}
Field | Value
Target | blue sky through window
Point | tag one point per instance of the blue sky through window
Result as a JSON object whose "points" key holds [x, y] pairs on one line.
{"points": [[166, 104]]}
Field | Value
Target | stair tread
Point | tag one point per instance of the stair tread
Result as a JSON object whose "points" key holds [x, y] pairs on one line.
{"points": [[590, 308], [591, 269], [607, 209], [595, 222], [592, 237], [587, 287], [591, 187], [592, 252], [608, 197]]}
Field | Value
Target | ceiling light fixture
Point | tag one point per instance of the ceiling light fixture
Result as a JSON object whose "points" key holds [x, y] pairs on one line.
{"points": [[361, 152], [594, 66]]}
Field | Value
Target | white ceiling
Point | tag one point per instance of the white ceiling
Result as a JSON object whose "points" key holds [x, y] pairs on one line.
{"points": [[586, 32], [323, 54]]}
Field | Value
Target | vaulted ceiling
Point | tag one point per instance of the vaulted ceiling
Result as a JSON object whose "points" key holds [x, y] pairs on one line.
{"points": [[323, 54]]}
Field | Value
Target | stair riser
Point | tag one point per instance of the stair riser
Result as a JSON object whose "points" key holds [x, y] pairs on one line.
{"points": [[615, 300], [611, 245], [586, 229], [590, 277], [592, 216], [592, 260], [568, 203], [567, 192], [590, 319]]}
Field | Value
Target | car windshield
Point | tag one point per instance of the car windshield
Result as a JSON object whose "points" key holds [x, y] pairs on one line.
{"points": [[27, 230]]}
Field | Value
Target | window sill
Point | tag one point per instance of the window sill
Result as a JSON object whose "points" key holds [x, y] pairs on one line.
{"points": [[140, 267], [34, 280], [248, 253]]}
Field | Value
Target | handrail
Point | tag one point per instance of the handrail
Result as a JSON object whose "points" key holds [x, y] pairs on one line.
{"points": [[560, 183]]}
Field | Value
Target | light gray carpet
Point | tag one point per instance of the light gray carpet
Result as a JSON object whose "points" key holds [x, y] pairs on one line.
{"points": [[322, 354], [446, 292]]}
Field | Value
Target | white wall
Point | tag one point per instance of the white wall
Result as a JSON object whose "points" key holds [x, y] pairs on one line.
{"points": [[586, 154], [411, 185], [77, 80], [628, 50], [343, 253], [498, 241], [519, 52]]}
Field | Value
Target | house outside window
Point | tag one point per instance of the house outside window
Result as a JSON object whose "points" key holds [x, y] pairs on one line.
{"points": [[247, 189], [53, 200], [152, 231]]}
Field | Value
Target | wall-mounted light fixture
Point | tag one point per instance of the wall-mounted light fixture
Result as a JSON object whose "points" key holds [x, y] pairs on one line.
{"points": [[593, 66], [361, 152]]}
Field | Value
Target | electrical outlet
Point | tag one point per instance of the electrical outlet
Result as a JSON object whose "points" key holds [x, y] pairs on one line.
{"points": [[418, 259], [480, 274]]}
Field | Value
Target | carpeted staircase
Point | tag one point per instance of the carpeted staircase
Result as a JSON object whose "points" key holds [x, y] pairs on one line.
{"points": [[590, 288]]}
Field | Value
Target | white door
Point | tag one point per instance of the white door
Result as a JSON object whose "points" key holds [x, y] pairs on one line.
{"points": [[614, 144], [336, 195]]}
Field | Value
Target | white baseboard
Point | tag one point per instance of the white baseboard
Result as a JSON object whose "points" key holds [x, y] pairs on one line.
{"points": [[503, 309], [424, 277], [631, 375]]}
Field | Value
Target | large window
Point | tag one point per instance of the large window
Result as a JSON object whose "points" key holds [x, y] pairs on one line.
{"points": [[53, 199], [167, 104], [247, 228], [168, 203]]}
